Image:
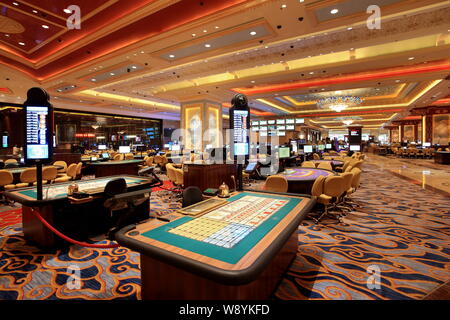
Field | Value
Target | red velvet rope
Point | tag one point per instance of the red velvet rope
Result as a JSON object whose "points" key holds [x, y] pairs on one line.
{"points": [[83, 244]]}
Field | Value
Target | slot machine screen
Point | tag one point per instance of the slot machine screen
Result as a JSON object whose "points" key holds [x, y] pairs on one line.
{"points": [[38, 133]]}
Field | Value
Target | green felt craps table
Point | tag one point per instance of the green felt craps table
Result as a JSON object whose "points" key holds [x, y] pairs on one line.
{"points": [[59, 190], [230, 244], [215, 241]]}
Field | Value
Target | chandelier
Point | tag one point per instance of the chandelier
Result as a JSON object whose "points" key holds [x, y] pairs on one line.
{"points": [[339, 103], [348, 120]]}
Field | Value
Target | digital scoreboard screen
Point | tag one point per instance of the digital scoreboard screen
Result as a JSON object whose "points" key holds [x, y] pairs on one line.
{"points": [[5, 143], [240, 132], [37, 133]]}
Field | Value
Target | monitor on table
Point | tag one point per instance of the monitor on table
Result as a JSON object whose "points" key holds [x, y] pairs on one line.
{"points": [[355, 147], [124, 149], [166, 146], [308, 148], [105, 155], [321, 147], [427, 144], [176, 147], [102, 147], [328, 146], [94, 158], [251, 167], [284, 152]]}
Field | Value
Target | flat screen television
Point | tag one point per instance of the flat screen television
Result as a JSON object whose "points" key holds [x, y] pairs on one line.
{"points": [[105, 155], [299, 120], [124, 149], [284, 152], [255, 128], [321, 147], [427, 144], [271, 122], [176, 147], [262, 128], [290, 121], [263, 133], [281, 133], [290, 127], [101, 147], [280, 121], [355, 147], [255, 123], [5, 143], [281, 127], [308, 148], [263, 123], [328, 146]]}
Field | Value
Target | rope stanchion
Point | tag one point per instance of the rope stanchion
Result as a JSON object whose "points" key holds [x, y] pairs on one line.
{"points": [[83, 244]]}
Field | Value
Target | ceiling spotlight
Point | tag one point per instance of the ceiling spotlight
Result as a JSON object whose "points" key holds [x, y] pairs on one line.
{"points": [[45, 26], [397, 80], [112, 73], [7, 35], [134, 67], [93, 79], [15, 3], [34, 11], [253, 81], [411, 58], [334, 11], [283, 6], [205, 30], [193, 34], [207, 45], [349, 28], [171, 56], [22, 43], [217, 27], [67, 11], [312, 72], [302, 1], [253, 33]]}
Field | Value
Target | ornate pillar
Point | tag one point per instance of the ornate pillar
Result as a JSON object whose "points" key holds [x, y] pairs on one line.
{"points": [[202, 121]]}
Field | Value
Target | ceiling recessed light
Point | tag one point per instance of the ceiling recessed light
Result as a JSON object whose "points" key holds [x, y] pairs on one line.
{"points": [[312, 72], [217, 27], [283, 6], [15, 3], [253, 33], [7, 35], [45, 26], [94, 80], [34, 11], [334, 11], [112, 73], [411, 58], [253, 81], [207, 45], [134, 67], [171, 56], [193, 34], [349, 28], [302, 1], [22, 43], [205, 30], [67, 11], [397, 80]]}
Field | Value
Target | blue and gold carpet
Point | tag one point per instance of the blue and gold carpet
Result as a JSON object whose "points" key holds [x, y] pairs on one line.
{"points": [[401, 230]]}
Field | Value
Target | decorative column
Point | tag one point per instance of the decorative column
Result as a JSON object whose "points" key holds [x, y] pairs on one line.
{"points": [[202, 120]]}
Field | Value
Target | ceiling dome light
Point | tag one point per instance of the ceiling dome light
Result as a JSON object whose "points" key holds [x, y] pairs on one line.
{"points": [[15, 3], [67, 11], [283, 6], [112, 73], [253, 33], [45, 26], [411, 58], [22, 43], [334, 11], [207, 45], [171, 56]]}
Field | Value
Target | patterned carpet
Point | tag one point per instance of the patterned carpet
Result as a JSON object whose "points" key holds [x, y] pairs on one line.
{"points": [[401, 229]]}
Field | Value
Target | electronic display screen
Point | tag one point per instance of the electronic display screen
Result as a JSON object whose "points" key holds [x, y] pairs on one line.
{"points": [[263, 133], [290, 121], [271, 122], [355, 147], [5, 142], [262, 128], [294, 146], [427, 144], [321, 147], [281, 127], [354, 132], [37, 123], [284, 152], [176, 147], [290, 127], [280, 121], [94, 159], [101, 147], [251, 166], [299, 120], [105, 155], [308, 148], [240, 132], [281, 133], [255, 123], [124, 149], [272, 127], [263, 123], [255, 128], [328, 146]]}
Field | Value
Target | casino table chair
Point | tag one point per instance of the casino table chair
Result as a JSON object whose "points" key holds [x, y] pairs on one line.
{"points": [[129, 156], [158, 160], [276, 183], [70, 174], [327, 158], [316, 156], [49, 174], [347, 184], [6, 179], [348, 169], [78, 171], [179, 177], [11, 165], [191, 195], [27, 177], [117, 157], [170, 173], [61, 163], [325, 154], [11, 161], [325, 165], [354, 186], [357, 164], [308, 164], [333, 189]]}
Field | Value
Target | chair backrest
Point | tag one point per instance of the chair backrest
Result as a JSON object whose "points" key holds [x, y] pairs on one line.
{"points": [[348, 169], [61, 163], [79, 165], [118, 157], [10, 161], [114, 187], [317, 188], [149, 161], [170, 173], [11, 165], [356, 177], [358, 164], [325, 165], [179, 180], [28, 175], [348, 177], [308, 164], [72, 170], [276, 183], [191, 195], [129, 156], [316, 156], [158, 159], [333, 186], [6, 177], [49, 173]]}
